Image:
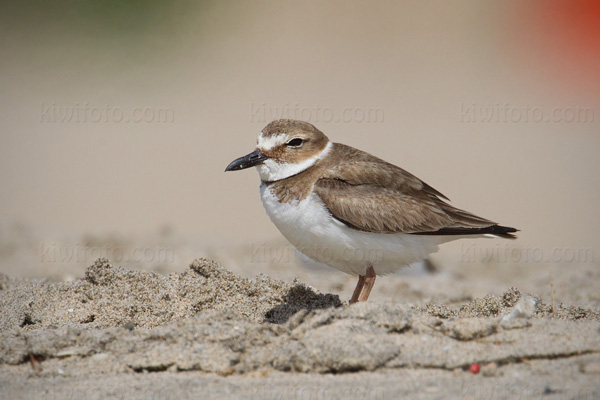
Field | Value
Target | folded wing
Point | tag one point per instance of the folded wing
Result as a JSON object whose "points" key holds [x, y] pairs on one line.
{"points": [[371, 195]]}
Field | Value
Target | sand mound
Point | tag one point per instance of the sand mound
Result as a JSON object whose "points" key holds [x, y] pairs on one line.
{"points": [[493, 306], [115, 297]]}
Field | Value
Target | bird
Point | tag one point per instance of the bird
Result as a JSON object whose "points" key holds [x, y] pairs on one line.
{"points": [[350, 210]]}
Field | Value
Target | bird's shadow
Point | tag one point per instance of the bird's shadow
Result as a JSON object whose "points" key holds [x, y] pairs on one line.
{"points": [[298, 298]]}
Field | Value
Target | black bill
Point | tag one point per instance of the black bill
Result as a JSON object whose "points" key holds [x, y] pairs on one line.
{"points": [[247, 161]]}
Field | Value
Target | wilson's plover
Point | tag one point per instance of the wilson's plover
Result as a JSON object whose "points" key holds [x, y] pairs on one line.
{"points": [[350, 210]]}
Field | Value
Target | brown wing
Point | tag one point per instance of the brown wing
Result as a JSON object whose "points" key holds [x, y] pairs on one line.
{"points": [[371, 195]]}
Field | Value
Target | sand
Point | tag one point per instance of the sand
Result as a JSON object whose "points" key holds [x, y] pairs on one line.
{"points": [[120, 333]]}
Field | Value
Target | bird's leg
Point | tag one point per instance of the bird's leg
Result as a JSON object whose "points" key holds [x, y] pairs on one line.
{"points": [[369, 282], [358, 289]]}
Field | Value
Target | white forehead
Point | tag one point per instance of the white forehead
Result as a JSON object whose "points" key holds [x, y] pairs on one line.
{"points": [[269, 142]]}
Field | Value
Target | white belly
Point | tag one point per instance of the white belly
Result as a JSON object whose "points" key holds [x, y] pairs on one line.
{"points": [[309, 227]]}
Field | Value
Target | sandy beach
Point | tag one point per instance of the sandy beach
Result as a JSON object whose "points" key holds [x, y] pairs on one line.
{"points": [[207, 332]]}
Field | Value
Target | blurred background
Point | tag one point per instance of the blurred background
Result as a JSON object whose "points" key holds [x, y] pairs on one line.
{"points": [[118, 119]]}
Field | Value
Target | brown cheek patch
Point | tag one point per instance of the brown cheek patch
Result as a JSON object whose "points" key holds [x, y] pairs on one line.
{"points": [[276, 153]]}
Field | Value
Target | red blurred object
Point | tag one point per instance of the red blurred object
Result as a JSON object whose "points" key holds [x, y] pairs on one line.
{"points": [[564, 39], [574, 27], [474, 368]]}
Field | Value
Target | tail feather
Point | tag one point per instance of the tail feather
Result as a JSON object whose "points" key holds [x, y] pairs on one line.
{"points": [[495, 230]]}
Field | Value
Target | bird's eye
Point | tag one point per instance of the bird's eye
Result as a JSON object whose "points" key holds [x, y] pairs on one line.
{"points": [[297, 142]]}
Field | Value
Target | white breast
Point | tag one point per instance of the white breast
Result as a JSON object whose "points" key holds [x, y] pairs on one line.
{"points": [[309, 227]]}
